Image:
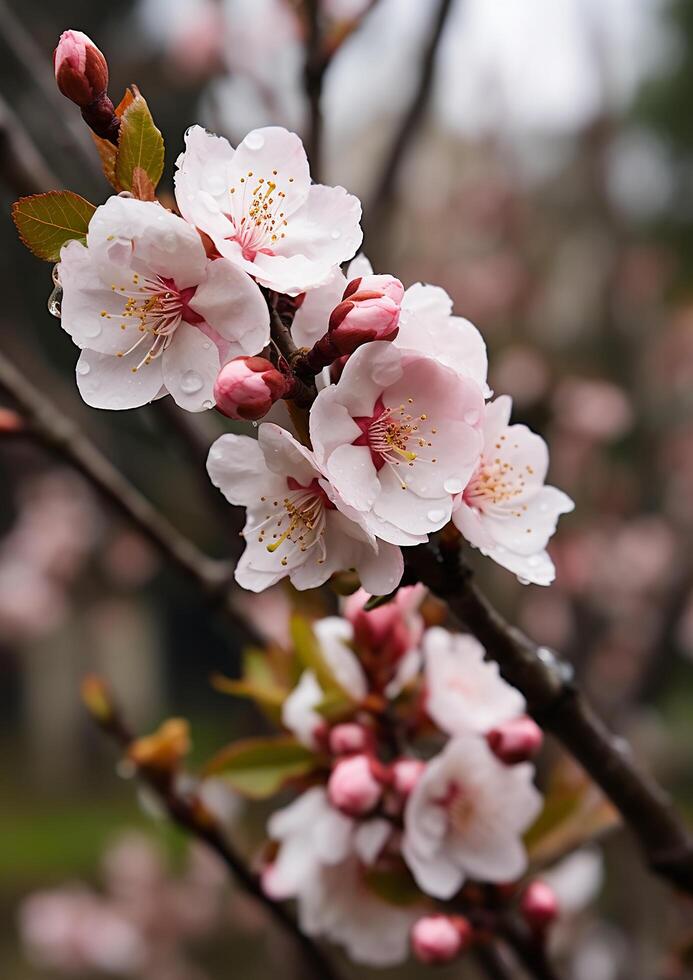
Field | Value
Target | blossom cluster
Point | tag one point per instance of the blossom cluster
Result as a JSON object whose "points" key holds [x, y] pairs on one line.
{"points": [[421, 785], [402, 435]]}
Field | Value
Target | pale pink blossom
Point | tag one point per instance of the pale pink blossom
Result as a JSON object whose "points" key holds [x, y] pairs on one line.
{"points": [[426, 323], [369, 310], [299, 714], [352, 786], [397, 436], [322, 862], [505, 510], [151, 311], [593, 408], [260, 209], [539, 905], [466, 817], [464, 691], [406, 774], [296, 525]]}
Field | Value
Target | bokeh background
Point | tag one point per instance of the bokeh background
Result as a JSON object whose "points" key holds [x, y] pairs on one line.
{"points": [[548, 186]]}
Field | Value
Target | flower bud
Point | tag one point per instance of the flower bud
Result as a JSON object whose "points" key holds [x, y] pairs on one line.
{"points": [[515, 741], [348, 738], [165, 749], [406, 774], [539, 905], [352, 787], [369, 311], [247, 387], [81, 71], [440, 938]]}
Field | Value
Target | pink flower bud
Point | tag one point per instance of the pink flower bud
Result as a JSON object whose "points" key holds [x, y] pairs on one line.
{"points": [[515, 741], [440, 938], [369, 311], [247, 387], [352, 787], [81, 71], [348, 738], [539, 905], [405, 775]]}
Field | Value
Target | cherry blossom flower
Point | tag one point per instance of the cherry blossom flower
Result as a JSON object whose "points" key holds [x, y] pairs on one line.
{"points": [[260, 209], [296, 524], [322, 862], [466, 816], [465, 692], [426, 323], [150, 310], [397, 436], [505, 510]]}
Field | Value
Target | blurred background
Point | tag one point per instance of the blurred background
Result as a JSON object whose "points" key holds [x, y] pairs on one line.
{"points": [[543, 174]]}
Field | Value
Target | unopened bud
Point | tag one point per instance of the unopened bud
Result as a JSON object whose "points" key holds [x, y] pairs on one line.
{"points": [[516, 740], [369, 311], [247, 387], [348, 738], [406, 774], [539, 906], [96, 697], [165, 749], [352, 787], [81, 70], [440, 938]]}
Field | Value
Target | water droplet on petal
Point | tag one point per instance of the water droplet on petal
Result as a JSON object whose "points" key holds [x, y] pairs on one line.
{"points": [[83, 368], [214, 183], [54, 301], [207, 404], [254, 140], [453, 486], [204, 198], [206, 346], [436, 516], [92, 330], [544, 508], [335, 234], [533, 561], [472, 417], [190, 382]]}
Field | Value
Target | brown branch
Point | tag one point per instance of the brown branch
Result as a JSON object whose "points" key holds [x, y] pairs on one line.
{"points": [[314, 70], [190, 814], [557, 706], [385, 186], [528, 949], [61, 435]]}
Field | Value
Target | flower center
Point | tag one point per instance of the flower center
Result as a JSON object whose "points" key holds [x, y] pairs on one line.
{"points": [[296, 521], [495, 484], [257, 214], [459, 804], [395, 435], [157, 306]]}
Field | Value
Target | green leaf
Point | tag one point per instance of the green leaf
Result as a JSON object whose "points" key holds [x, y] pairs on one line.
{"points": [[259, 767], [308, 651], [46, 221], [140, 148], [106, 150], [270, 699], [376, 601]]}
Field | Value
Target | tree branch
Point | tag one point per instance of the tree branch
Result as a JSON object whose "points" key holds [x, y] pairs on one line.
{"points": [[385, 186], [189, 813], [61, 435], [556, 704]]}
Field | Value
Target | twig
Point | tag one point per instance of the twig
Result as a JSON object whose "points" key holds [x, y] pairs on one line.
{"points": [[530, 951], [188, 812], [313, 75], [385, 186], [60, 434], [557, 705], [491, 961]]}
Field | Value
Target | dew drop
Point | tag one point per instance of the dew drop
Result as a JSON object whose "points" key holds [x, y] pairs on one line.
{"points": [[453, 486], [436, 515], [523, 581], [254, 140], [543, 508], [215, 184], [533, 561], [205, 198], [191, 382], [92, 330], [335, 234], [207, 404], [472, 417], [83, 368], [54, 301], [206, 346]]}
